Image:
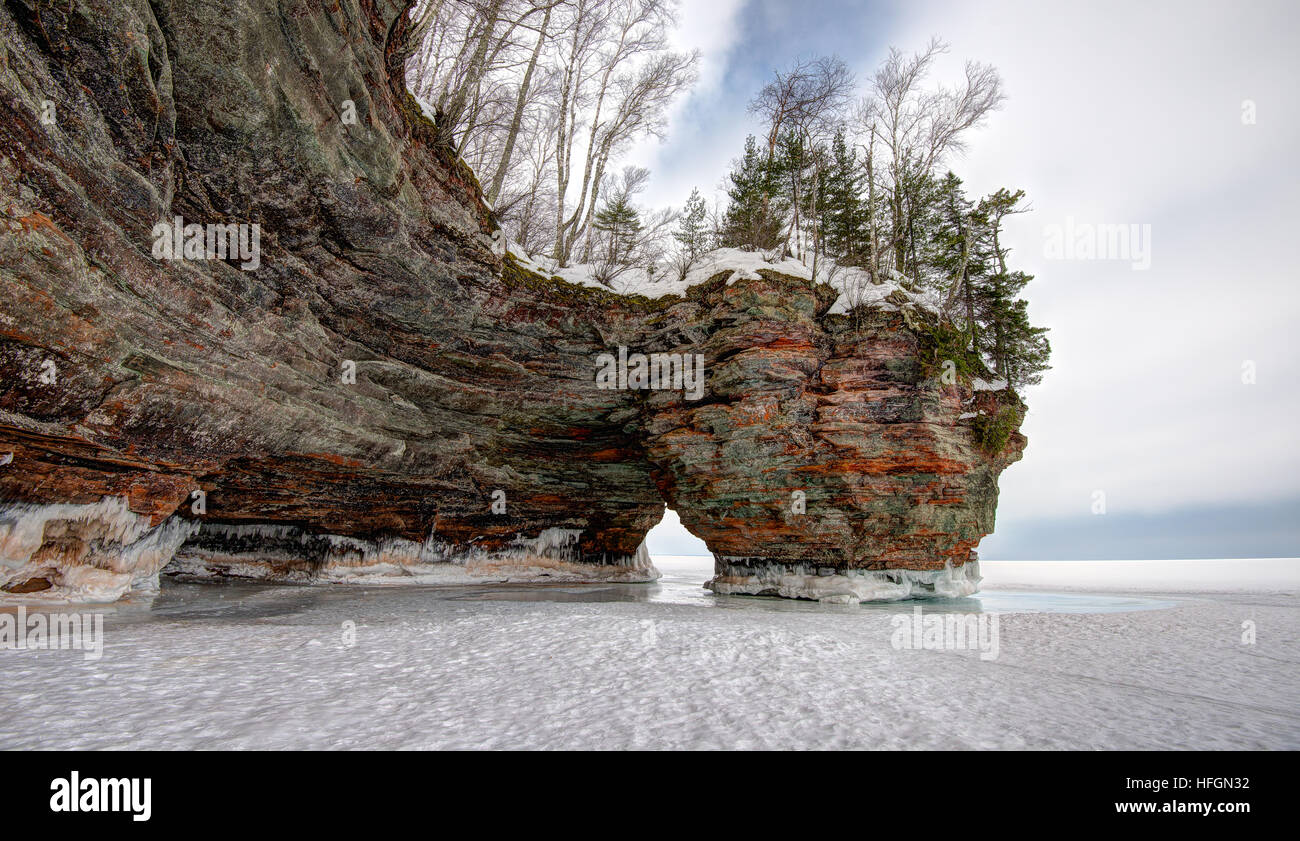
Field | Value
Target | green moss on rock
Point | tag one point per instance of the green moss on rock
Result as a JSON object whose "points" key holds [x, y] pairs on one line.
{"points": [[940, 342], [993, 431], [515, 276]]}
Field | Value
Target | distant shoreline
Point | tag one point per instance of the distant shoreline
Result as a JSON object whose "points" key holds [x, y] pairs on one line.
{"points": [[1195, 575]]}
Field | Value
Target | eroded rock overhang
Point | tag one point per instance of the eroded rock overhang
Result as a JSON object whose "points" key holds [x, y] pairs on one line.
{"points": [[385, 392]]}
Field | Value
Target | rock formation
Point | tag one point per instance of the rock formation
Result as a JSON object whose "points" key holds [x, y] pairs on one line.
{"points": [[381, 389]]}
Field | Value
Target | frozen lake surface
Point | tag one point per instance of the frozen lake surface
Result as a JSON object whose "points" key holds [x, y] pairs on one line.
{"points": [[1087, 662]]}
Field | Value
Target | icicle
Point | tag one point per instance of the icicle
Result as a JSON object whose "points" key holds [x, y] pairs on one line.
{"points": [[287, 553]]}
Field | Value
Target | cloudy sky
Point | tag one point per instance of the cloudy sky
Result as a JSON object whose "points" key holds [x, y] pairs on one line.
{"points": [[1117, 113]]}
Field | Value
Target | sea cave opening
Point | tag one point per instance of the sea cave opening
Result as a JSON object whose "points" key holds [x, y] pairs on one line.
{"points": [[676, 552]]}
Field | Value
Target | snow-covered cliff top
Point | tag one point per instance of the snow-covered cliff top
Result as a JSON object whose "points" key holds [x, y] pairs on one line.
{"points": [[853, 283]]}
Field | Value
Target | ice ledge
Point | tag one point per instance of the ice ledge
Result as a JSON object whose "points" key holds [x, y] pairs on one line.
{"points": [[289, 554], [93, 552], [738, 576]]}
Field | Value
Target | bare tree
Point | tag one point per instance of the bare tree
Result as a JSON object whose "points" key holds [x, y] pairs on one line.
{"points": [[807, 96], [917, 128], [806, 102], [521, 102], [527, 202], [624, 96], [593, 75]]}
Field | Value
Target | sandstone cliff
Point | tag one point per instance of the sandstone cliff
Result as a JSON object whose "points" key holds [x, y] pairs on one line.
{"points": [[386, 391]]}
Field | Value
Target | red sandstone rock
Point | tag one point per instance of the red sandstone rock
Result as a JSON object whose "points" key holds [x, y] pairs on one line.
{"points": [[199, 410]]}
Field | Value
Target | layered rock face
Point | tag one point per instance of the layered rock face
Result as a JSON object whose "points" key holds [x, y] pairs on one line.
{"points": [[372, 387], [832, 460]]}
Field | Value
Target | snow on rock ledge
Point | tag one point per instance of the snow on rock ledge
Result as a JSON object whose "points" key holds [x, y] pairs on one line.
{"points": [[852, 284]]}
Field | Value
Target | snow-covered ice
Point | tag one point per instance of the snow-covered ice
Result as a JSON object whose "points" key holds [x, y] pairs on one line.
{"points": [[670, 665]]}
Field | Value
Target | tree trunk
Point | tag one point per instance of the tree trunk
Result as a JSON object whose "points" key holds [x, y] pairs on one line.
{"points": [[456, 106], [516, 120]]}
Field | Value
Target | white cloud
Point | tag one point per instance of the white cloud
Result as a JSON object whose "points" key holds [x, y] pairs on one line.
{"points": [[713, 29]]}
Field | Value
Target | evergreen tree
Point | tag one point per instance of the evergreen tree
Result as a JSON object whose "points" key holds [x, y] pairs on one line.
{"points": [[619, 226], [939, 240], [1017, 350], [842, 205], [754, 211], [1025, 348], [693, 235], [967, 263], [692, 232], [954, 252], [792, 171]]}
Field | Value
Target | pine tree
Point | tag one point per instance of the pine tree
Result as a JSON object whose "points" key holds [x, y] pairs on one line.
{"points": [[619, 225], [692, 232], [938, 239], [792, 170], [693, 235], [957, 250], [963, 259], [755, 211], [1017, 350], [1026, 348], [843, 206]]}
